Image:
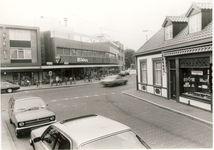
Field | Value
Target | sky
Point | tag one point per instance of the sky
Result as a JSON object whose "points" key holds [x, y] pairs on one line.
{"points": [[130, 22]]}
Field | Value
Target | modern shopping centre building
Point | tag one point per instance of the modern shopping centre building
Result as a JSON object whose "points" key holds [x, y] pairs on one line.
{"points": [[51, 49]]}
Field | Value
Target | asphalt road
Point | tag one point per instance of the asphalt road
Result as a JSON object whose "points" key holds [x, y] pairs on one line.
{"points": [[160, 128]]}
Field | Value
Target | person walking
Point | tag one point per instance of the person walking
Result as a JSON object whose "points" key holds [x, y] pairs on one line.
{"points": [[70, 79], [74, 80], [51, 81], [57, 80], [60, 81], [66, 80]]}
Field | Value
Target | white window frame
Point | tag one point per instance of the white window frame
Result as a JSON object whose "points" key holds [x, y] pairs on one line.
{"points": [[21, 35], [24, 50], [168, 32], [143, 78], [195, 23], [156, 70]]}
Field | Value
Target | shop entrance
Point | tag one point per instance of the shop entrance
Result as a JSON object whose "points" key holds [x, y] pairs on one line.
{"points": [[173, 84]]}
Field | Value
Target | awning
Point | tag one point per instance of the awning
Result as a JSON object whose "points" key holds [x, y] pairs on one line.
{"points": [[76, 66], [188, 50], [20, 68]]}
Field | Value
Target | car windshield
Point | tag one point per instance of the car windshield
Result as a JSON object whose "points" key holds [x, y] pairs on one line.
{"points": [[29, 104], [126, 140]]}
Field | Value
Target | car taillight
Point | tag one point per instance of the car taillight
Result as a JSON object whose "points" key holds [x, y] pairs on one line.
{"points": [[52, 118]]}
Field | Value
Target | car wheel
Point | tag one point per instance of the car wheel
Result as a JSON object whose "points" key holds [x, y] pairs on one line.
{"points": [[18, 135], [9, 90], [11, 121]]}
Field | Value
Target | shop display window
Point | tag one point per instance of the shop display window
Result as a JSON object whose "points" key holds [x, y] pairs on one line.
{"points": [[195, 82]]}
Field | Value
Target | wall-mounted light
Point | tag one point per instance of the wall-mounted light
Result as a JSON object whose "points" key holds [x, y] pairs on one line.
{"points": [[4, 35]]}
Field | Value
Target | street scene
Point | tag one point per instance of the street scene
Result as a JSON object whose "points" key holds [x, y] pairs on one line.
{"points": [[98, 74]]}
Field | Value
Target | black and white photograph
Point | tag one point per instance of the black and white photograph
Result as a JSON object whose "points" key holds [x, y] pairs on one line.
{"points": [[106, 74]]}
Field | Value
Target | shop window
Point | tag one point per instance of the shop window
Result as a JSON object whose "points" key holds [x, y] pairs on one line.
{"points": [[95, 54], [73, 52], [79, 52], [84, 53], [195, 23], [20, 54], [143, 66], [196, 82], [157, 73]]}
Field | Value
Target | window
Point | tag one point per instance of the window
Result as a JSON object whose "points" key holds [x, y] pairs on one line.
{"points": [[73, 52], [79, 52], [66, 51], [22, 35], [168, 32], [50, 138], [20, 54], [84, 53], [143, 72], [195, 23], [157, 73], [95, 54], [59, 51]]}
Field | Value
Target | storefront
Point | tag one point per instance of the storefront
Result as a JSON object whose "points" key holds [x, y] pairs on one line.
{"points": [[190, 77]]}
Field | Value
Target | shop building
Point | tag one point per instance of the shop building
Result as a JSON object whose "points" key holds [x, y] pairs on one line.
{"points": [[20, 53], [176, 63], [63, 55]]}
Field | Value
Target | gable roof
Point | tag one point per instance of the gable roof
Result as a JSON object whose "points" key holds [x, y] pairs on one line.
{"points": [[199, 6], [157, 42], [174, 19]]}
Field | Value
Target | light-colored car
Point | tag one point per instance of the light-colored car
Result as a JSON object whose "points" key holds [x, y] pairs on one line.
{"points": [[86, 132], [114, 80], [28, 112], [9, 87]]}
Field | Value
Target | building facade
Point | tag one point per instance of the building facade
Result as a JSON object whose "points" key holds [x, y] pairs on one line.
{"points": [[20, 53], [176, 63]]}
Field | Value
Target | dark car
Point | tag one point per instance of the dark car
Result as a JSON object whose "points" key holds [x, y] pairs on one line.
{"points": [[113, 80], [28, 112], [9, 87]]}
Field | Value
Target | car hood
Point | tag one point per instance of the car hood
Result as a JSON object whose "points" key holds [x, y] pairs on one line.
{"points": [[33, 114]]}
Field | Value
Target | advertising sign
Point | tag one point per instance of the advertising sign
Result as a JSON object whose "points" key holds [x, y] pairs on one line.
{"points": [[197, 72], [82, 60]]}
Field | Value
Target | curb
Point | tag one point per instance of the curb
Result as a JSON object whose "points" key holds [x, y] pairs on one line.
{"points": [[170, 109], [59, 86]]}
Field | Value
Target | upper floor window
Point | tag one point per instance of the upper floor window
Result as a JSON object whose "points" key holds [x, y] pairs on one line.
{"points": [[168, 32], [20, 54], [22, 35], [195, 23]]}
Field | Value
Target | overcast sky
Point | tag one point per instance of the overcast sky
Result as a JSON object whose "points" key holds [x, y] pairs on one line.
{"points": [[122, 20]]}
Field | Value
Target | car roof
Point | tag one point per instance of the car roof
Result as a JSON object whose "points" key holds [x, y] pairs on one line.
{"points": [[86, 128], [26, 97]]}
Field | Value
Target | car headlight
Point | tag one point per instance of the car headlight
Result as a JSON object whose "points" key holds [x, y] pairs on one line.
{"points": [[21, 124], [52, 118]]}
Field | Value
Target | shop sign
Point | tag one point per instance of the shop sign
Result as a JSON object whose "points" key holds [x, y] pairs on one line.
{"points": [[49, 63], [197, 72], [82, 60]]}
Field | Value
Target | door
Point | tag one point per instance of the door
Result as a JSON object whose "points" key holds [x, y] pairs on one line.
{"points": [[173, 84]]}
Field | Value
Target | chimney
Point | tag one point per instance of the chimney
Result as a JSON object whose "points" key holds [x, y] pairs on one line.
{"points": [[65, 20]]}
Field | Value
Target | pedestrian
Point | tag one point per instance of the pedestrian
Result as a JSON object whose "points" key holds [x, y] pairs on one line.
{"points": [[60, 80], [74, 80], [70, 79], [57, 80], [51, 80], [66, 80], [85, 78], [37, 83]]}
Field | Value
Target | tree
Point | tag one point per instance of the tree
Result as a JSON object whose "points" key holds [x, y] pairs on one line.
{"points": [[129, 58]]}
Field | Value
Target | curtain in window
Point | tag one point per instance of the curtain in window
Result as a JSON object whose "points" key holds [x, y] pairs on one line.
{"points": [[144, 74], [158, 73]]}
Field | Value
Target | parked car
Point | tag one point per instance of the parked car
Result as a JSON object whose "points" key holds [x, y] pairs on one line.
{"points": [[28, 112], [114, 80], [127, 72], [122, 73], [86, 132], [9, 87]]}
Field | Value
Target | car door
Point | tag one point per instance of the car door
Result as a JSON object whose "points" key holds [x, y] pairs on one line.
{"points": [[48, 140], [119, 79]]}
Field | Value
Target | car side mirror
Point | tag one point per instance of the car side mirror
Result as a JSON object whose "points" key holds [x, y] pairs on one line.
{"points": [[37, 139]]}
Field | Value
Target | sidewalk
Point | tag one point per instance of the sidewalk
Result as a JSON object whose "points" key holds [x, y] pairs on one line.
{"points": [[171, 105], [183, 109]]}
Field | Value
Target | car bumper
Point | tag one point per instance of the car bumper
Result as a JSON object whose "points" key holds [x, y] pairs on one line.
{"points": [[29, 128]]}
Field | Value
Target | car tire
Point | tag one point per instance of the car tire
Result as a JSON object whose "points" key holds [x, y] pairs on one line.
{"points": [[18, 135], [11, 121], [9, 90]]}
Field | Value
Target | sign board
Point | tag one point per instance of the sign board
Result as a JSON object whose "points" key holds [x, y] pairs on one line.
{"points": [[49, 63], [197, 72], [82, 60], [66, 63]]}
